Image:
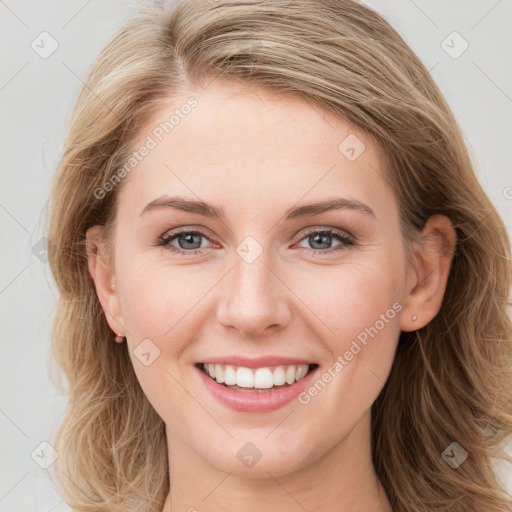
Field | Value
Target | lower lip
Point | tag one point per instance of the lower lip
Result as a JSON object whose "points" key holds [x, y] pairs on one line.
{"points": [[247, 401]]}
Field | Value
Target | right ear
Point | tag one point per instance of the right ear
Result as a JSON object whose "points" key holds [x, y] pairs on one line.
{"points": [[103, 275]]}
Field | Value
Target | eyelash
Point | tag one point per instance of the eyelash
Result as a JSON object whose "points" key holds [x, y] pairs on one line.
{"points": [[345, 240]]}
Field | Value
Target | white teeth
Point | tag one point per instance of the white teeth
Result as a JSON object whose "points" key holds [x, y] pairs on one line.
{"points": [[301, 372], [263, 378], [260, 378], [244, 377], [279, 376], [290, 375], [229, 376], [219, 374]]}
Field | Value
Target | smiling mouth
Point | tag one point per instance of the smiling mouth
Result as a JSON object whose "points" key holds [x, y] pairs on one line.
{"points": [[256, 380]]}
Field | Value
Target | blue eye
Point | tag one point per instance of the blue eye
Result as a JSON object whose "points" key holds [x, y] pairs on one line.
{"points": [[190, 242], [187, 241], [324, 237]]}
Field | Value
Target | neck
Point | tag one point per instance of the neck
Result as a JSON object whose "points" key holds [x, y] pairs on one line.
{"points": [[343, 479]]}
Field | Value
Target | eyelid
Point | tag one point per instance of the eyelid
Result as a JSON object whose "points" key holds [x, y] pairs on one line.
{"points": [[186, 229], [326, 229]]}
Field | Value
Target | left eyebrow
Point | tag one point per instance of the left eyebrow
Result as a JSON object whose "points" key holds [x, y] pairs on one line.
{"points": [[208, 210], [331, 204]]}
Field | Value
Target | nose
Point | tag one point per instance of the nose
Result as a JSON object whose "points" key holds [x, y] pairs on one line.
{"points": [[254, 299]]}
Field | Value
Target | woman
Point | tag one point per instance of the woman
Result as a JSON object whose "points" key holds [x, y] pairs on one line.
{"points": [[282, 285]]}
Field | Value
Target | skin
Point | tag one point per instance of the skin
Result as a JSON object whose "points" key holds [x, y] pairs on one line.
{"points": [[255, 155]]}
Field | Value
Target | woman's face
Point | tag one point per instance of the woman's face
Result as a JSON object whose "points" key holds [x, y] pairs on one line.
{"points": [[248, 285]]}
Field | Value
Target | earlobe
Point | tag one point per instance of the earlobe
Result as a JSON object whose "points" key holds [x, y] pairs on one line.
{"points": [[103, 275], [430, 272]]}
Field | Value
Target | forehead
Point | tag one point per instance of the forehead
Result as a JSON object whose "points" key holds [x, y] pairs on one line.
{"points": [[244, 144]]}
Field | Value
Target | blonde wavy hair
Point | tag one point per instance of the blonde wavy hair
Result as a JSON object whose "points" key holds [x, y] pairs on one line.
{"points": [[450, 381]]}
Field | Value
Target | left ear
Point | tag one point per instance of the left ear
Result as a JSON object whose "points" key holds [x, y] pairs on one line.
{"points": [[428, 274]]}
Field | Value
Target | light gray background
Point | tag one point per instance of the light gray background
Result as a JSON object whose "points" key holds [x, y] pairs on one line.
{"points": [[36, 95]]}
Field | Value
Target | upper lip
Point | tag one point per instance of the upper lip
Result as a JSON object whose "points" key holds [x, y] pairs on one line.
{"points": [[257, 362]]}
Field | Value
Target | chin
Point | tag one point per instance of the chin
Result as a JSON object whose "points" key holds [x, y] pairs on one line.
{"points": [[258, 458]]}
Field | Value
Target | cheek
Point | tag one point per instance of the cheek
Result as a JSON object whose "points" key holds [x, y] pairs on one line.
{"points": [[359, 308], [157, 300], [156, 305], [160, 306], [348, 299]]}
